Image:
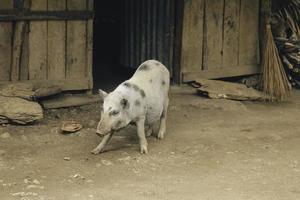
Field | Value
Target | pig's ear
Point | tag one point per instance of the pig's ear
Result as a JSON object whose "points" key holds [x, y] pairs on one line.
{"points": [[102, 94]]}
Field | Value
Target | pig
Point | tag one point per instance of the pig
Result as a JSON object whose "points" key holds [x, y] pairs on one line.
{"points": [[142, 100]]}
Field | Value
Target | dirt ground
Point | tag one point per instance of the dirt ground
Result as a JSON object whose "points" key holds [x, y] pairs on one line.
{"points": [[213, 150]]}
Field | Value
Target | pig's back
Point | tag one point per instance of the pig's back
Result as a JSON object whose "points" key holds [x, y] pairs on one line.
{"points": [[153, 77]]}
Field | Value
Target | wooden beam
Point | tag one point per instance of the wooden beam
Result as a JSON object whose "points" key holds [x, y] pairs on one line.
{"points": [[15, 15], [217, 73]]}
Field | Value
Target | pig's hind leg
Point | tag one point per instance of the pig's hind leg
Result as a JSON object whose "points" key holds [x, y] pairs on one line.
{"points": [[163, 120], [149, 130], [100, 147]]}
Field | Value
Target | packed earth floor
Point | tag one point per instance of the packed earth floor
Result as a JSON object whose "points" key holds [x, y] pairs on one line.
{"points": [[213, 150]]}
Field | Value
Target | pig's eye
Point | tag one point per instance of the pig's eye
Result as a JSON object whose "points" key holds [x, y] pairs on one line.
{"points": [[114, 112]]}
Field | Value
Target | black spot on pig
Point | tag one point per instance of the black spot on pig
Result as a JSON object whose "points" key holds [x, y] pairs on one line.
{"points": [[126, 84], [156, 63], [163, 82], [137, 103], [138, 89], [144, 67], [142, 92], [125, 104], [150, 80]]}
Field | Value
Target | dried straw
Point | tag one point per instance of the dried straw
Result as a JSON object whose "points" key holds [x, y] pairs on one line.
{"points": [[275, 83]]}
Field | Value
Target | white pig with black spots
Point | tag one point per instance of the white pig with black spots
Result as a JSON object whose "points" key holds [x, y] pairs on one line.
{"points": [[142, 100]]}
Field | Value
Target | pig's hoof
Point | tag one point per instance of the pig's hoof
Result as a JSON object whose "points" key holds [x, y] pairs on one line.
{"points": [[144, 149], [161, 135], [96, 151]]}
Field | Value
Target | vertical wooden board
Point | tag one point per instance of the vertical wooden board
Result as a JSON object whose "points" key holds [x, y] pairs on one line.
{"points": [[132, 33], [38, 44], [137, 31], [5, 43], [126, 34], [89, 42], [143, 30], [192, 36], [167, 34], [160, 29], [172, 34], [154, 9], [76, 43], [249, 34], [231, 33], [56, 42], [24, 60], [24, 68], [18, 37], [214, 25], [149, 30]]}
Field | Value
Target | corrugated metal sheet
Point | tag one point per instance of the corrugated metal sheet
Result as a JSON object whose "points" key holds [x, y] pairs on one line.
{"points": [[148, 32]]}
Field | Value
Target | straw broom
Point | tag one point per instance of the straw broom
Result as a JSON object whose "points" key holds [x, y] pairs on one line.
{"points": [[275, 83]]}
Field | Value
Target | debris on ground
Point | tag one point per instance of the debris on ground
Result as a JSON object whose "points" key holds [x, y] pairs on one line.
{"points": [[216, 89], [5, 135], [67, 158], [70, 126]]}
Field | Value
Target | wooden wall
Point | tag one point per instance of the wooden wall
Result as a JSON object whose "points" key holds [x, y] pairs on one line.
{"points": [[49, 49], [148, 32], [220, 38]]}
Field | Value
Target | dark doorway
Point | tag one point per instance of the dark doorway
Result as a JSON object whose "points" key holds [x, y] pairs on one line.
{"points": [[128, 32]]}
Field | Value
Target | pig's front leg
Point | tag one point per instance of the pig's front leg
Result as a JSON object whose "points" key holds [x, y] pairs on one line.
{"points": [[104, 141], [141, 134]]}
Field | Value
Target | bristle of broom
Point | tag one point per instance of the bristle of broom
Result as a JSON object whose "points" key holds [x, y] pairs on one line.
{"points": [[275, 83]]}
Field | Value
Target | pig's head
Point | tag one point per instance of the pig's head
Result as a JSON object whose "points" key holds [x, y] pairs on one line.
{"points": [[114, 113]]}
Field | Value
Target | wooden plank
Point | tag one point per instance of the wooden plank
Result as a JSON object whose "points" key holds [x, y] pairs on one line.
{"points": [[217, 73], [131, 33], [177, 75], [76, 43], [127, 35], [65, 85], [5, 43], [231, 33], [160, 30], [56, 42], [138, 32], [17, 49], [172, 31], [89, 42], [24, 68], [149, 30], [13, 15], [249, 35], [70, 101], [154, 9], [38, 44], [214, 24], [192, 36], [143, 30]]}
